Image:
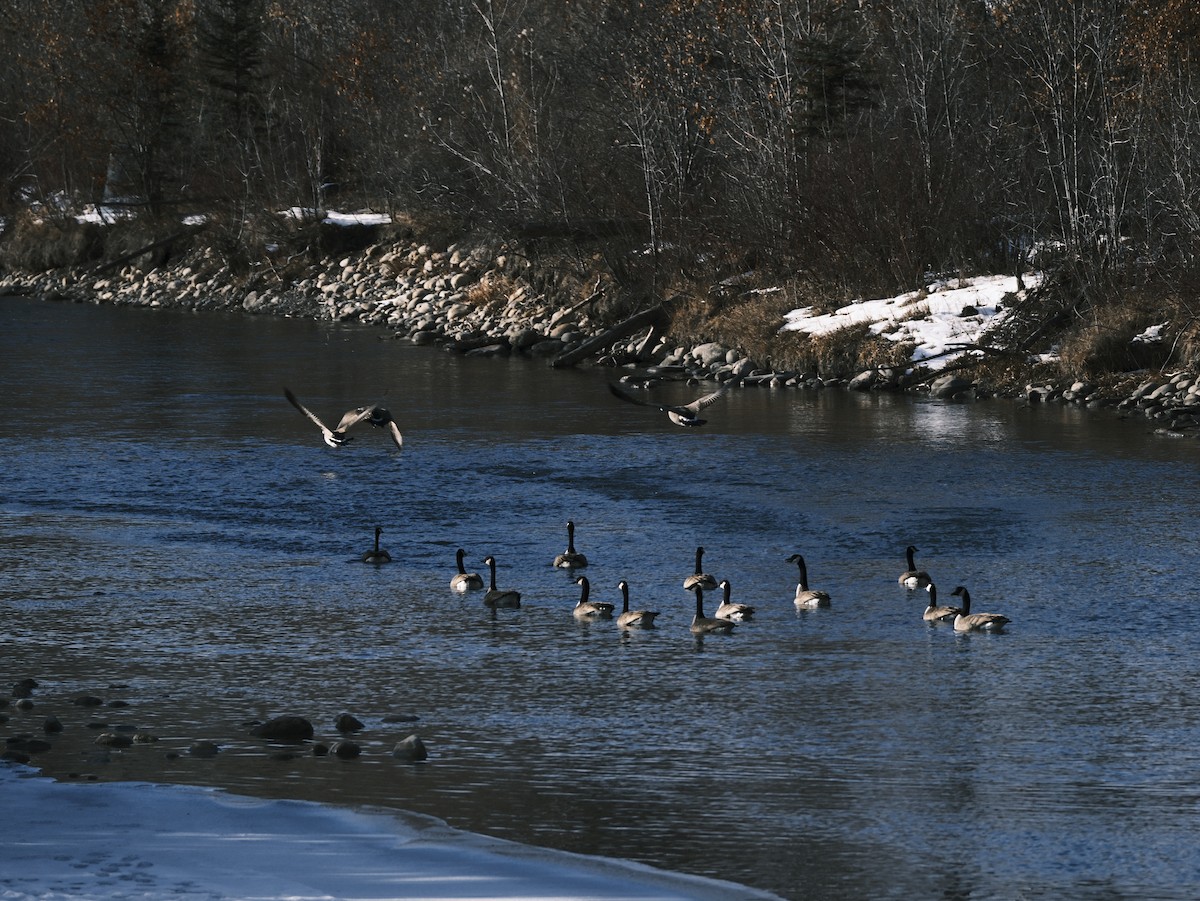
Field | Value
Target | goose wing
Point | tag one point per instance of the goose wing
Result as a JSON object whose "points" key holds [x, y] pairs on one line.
{"points": [[700, 403], [330, 437], [393, 430], [353, 417], [686, 410]]}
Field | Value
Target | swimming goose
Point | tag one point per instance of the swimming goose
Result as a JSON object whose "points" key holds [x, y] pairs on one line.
{"points": [[629, 619], [377, 554], [585, 609], [935, 613], [685, 414], [463, 580], [912, 577], [570, 558], [727, 610], [807, 598], [336, 437], [966, 621], [495, 597], [699, 577], [703, 625]]}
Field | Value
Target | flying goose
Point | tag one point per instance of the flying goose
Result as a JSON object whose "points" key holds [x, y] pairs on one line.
{"points": [[912, 577], [685, 414], [807, 598], [699, 577], [934, 613], [629, 619], [495, 597], [382, 419], [376, 554], [336, 437], [727, 610], [585, 609], [463, 580], [703, 625], [570, 558], [966, 621]]}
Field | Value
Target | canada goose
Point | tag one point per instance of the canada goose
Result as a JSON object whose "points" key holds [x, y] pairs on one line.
{"points": [[966, 621], [699, 577], [337, 437], [685, 414], [585, 609], [628, 619], [376, 554], [934, 613], [912, 577], [703, 625], [570, 558], [495, 597], [463, 580], [727, 610], [382, 419], [807, 598]]}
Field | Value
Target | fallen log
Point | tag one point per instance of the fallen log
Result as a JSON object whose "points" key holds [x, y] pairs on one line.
{"points": [[153, 245], [656, 315]]}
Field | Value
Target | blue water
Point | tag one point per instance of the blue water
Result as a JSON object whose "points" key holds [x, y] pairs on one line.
{"points": [[175, 535]]}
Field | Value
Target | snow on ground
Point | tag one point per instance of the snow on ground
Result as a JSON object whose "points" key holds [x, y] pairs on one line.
{"points": [[335, 217], [946, 316], [73, 840]]}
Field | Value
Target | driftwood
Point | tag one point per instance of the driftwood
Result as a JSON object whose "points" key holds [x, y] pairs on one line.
{"points": [[153, 245], [657, 317]]}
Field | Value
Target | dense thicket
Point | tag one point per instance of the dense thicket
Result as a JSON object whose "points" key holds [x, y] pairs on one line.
{"points": [[861, 143]]}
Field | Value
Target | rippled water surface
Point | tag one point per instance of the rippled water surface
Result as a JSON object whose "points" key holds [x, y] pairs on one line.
{"points": [[174, 535]]}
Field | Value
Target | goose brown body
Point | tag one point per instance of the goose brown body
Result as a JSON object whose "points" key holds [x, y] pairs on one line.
{"points": [[912, 577], [570, 558], [630, 619], [699, 576], [463, 580], [729, 610], [377, 554], [706, 625], [807, 598], [497, 597], [966, 621], [938, 613]]}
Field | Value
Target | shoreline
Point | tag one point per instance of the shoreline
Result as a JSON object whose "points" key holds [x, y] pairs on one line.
{"points": [[477, 300], [143, 839]]}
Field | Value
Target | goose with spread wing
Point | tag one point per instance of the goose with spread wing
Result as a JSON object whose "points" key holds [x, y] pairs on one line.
{"points": [[338, 436], [683, 414]]}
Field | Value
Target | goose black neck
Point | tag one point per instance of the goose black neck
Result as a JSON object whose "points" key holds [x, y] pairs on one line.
{"points": [[584, 588]]}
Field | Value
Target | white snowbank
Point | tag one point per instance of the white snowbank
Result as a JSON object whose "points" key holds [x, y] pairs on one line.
{"points": [[141, 841], [938, 320]]}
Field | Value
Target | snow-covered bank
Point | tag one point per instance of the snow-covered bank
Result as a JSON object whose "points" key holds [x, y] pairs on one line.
{"points": [[136, 840]]}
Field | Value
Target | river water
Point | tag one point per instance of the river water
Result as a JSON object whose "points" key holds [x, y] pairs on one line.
{"points": [[175, 536]]}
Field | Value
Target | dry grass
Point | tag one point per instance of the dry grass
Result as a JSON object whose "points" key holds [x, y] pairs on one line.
{"points": [[38, 244], [753, 324], [1104, 344]]}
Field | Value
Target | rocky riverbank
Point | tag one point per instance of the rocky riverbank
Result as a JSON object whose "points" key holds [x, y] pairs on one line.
{"points": [[480, 300]]}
